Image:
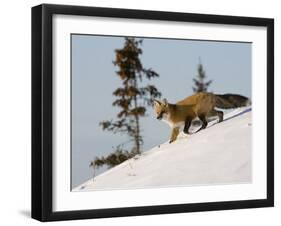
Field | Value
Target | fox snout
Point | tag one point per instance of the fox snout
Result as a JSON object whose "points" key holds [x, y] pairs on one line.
{"points": [[160, 116]]}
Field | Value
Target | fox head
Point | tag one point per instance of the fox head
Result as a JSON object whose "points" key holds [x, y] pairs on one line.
{"points": [[161, 109]]}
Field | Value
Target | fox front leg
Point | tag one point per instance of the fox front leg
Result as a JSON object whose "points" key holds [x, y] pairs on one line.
{"points": [[174, 135], [187, 126]]}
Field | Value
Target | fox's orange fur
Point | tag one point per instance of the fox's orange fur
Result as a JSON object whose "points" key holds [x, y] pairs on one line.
{"points": [[198, 105]]}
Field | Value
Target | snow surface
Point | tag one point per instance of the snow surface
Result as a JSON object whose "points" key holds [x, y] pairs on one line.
{"points": [[220, 154]]}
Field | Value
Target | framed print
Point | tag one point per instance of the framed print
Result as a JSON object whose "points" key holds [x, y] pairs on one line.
{"points": [[145, 112]]}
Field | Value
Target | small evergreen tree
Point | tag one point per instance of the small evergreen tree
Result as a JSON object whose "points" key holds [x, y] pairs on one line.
{"points": [[131, 98], [112, 159], [199, 81]]}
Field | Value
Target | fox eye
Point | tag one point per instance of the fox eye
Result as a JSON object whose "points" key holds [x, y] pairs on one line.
{"points": [[161, 113]]}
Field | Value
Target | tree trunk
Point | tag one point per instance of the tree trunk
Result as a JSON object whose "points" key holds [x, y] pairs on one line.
{"points": [[137, 133], [137, 138]]}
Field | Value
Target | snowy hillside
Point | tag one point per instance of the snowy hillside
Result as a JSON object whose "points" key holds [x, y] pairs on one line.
{"points": [[220, 154]]}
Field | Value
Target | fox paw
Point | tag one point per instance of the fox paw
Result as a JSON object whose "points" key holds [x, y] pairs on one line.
{"points": [[187, 132]]}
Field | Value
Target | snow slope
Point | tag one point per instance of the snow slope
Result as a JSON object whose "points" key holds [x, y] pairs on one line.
{"points": [[220, 154]]}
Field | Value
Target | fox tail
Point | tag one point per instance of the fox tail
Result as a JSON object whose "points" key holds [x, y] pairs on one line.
{"points": [[226, 101]]}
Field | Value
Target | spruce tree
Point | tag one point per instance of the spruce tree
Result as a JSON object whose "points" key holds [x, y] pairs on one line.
{"points": [[132, 98], [199, 81]]}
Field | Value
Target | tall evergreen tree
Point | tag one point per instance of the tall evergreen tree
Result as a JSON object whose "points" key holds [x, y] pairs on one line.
{"points": [[199, 81], [131, 98]]}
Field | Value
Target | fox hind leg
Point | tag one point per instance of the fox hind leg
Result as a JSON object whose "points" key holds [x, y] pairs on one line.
{"points": [[217, 113], [204, 121], [220, 114]]}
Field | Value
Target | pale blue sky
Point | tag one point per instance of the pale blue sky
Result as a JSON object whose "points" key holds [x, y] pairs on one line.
{"points": [[228, 64]]}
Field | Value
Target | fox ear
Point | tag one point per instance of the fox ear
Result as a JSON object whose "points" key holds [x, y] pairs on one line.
{"points": [[165, 102], [156, 103]]}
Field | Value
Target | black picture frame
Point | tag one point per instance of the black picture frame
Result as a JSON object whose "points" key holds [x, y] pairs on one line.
{"points": [[42, 106]]}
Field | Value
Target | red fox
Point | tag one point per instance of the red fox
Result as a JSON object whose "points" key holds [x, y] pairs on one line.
{"points": [[199, 105]]}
